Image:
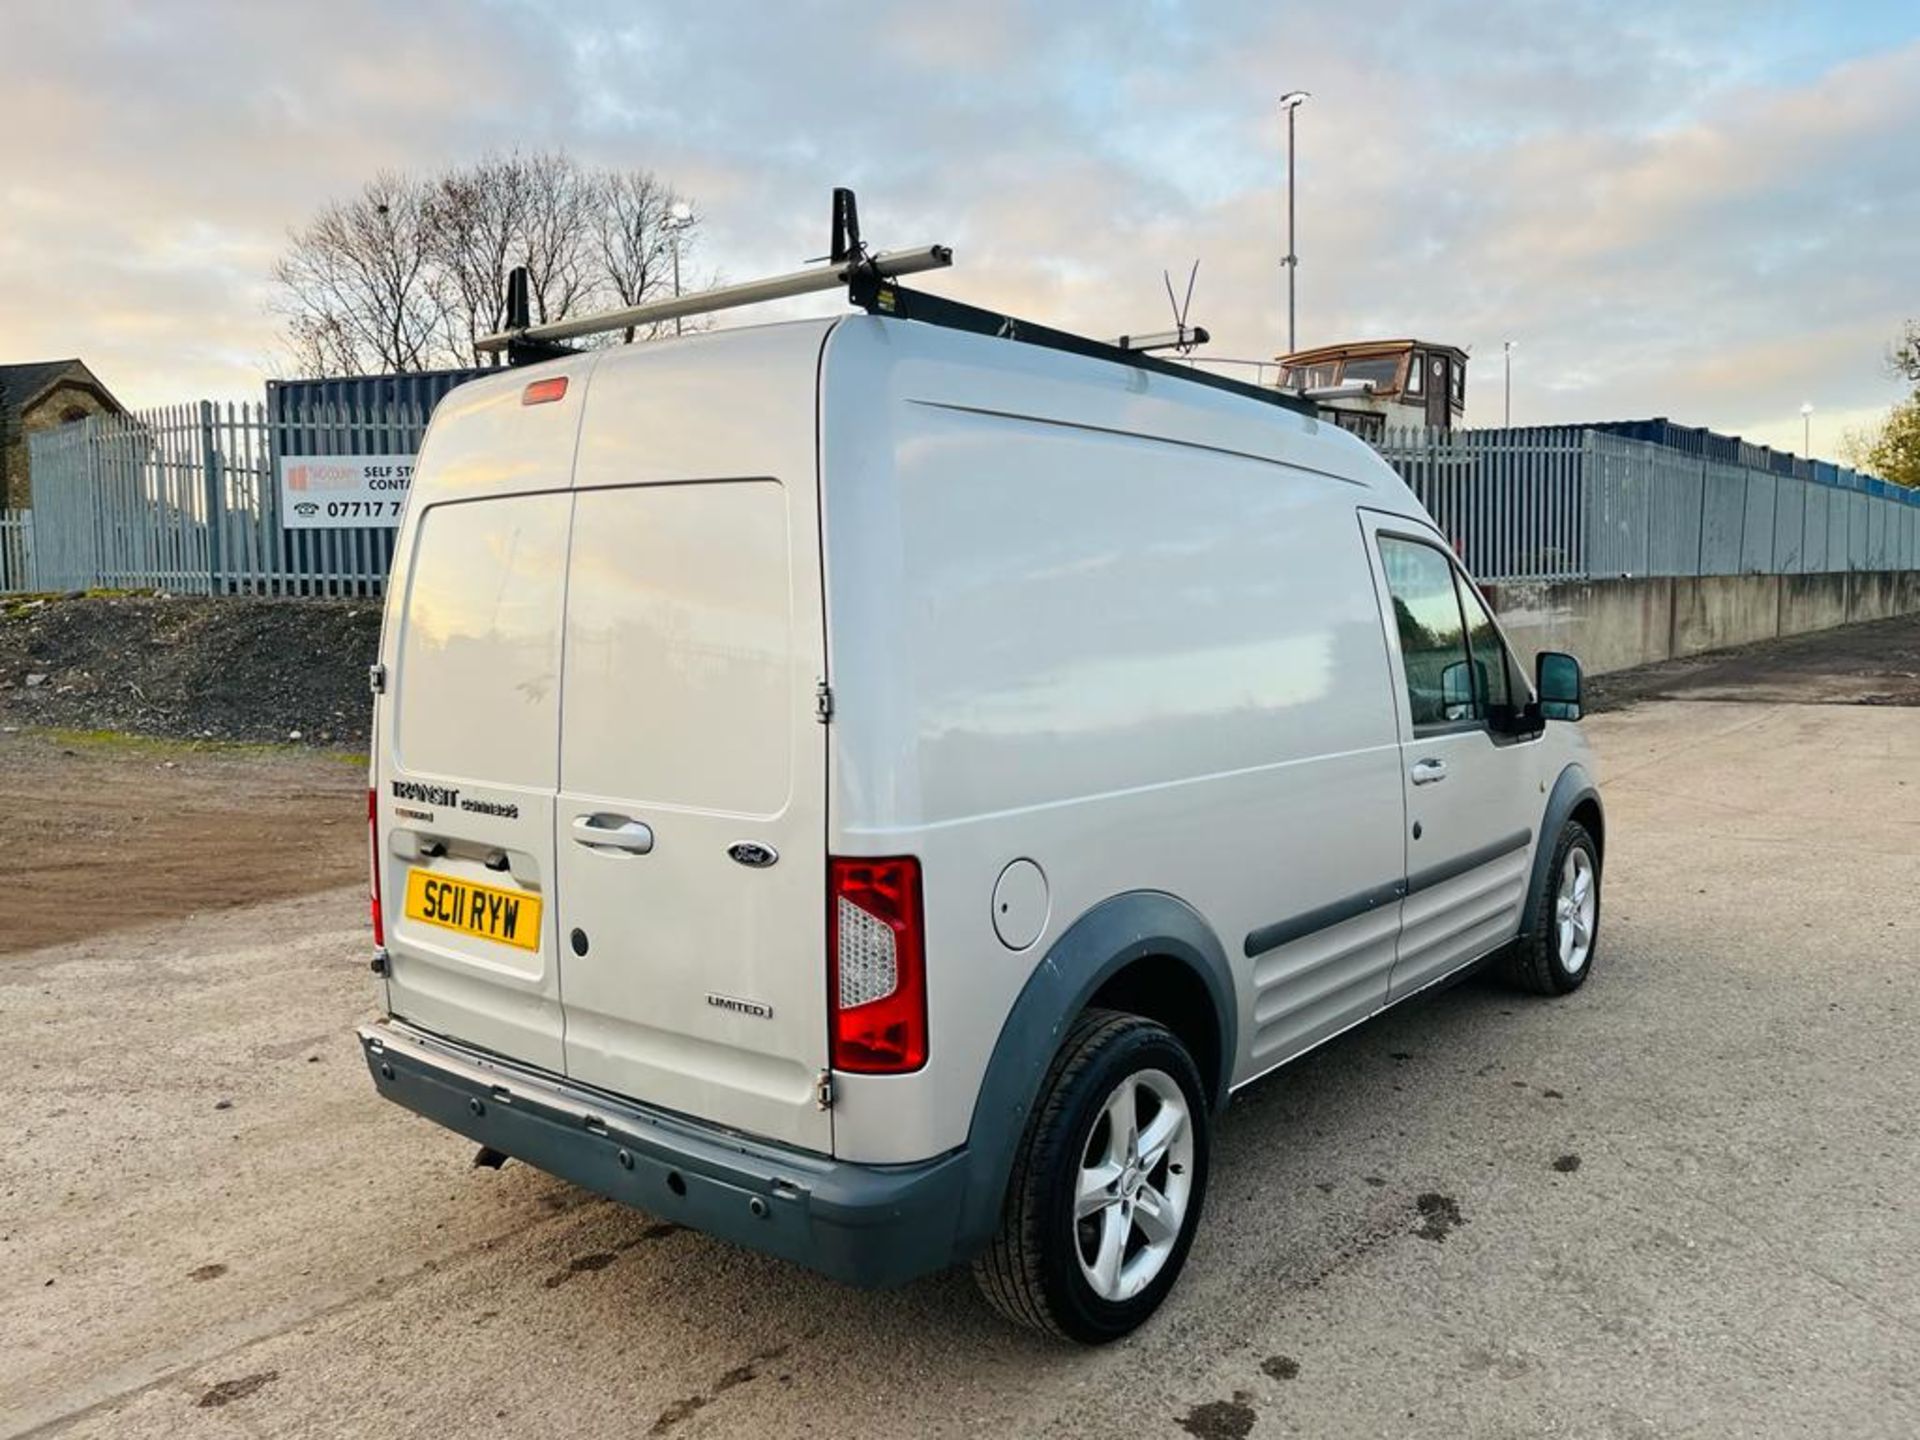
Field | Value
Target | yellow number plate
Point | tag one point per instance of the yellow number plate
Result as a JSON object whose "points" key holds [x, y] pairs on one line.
{"points": [[510, 916]]}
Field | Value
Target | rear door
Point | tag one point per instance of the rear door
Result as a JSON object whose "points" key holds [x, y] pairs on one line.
{"points": [[468, 759], [691, 824]]}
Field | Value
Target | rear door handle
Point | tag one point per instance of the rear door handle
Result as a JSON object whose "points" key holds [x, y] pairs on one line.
{"points": [[1426, 772], [613, 832]]}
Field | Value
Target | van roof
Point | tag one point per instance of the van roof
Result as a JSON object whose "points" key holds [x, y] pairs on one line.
{"points": [[1062, 386]]}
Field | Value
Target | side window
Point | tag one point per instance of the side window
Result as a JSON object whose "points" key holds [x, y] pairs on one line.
{"points": [[1433, 642], [1492, 678]]}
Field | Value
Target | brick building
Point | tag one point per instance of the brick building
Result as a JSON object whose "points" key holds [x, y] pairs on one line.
{"points": [[37, 396]]}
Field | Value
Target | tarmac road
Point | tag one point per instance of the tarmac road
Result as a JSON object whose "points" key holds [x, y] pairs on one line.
{"points": [[1679, 1202]]}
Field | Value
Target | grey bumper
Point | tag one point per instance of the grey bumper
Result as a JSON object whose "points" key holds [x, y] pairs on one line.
{"points": [[866, 1225]]}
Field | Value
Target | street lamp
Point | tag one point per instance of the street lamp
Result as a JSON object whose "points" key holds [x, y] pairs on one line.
{"points": [[1806, 430], [1507, 348], [679, 217], [1290, 102]]}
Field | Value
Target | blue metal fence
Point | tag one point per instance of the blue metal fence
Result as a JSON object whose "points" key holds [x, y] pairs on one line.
{"points": [[1649, 498]]}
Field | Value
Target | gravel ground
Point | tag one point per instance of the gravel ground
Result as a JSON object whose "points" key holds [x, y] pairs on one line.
{"points": [[227, 669], [1678, 1202]]}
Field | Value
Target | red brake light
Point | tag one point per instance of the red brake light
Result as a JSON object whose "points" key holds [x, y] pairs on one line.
{"points": [[544, 392], [876, 959], [373, 867]]}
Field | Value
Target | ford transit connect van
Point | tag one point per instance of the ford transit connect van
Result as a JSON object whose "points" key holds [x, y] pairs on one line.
{"points": [[871, 790]]}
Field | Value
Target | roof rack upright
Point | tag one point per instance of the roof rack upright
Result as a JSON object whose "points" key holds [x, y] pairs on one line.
{"points": [[870, 281]]}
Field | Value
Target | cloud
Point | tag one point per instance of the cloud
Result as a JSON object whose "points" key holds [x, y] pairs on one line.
{"points": [[1704, 211]]}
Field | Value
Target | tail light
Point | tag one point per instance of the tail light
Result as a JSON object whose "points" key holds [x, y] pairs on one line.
{"points": [[373, 867], [877, 958]]}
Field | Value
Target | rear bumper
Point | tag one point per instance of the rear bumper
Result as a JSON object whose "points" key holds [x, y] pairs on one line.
{"points": [[866, 1225]]}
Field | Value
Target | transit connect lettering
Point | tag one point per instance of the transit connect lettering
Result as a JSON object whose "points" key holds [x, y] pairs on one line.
{"points": [[425, 794], [504, 809]]}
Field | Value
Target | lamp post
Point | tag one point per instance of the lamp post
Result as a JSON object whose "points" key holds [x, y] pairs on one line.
{"points": [[1506, 358], [679, 217], [1290, 102], [1806, 431]]}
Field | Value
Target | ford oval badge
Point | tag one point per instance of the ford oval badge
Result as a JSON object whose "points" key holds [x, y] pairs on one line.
{"points": [[752, 853]]}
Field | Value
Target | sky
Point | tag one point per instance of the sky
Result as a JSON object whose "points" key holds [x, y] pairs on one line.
{"points": [[1706, 210]]}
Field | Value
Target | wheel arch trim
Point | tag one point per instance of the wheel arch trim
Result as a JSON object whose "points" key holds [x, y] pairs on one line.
{"points": [[1573, 789], [1135, 925]]}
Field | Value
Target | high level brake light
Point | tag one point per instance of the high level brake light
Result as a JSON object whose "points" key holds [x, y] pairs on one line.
{"points": [[876, 957]]}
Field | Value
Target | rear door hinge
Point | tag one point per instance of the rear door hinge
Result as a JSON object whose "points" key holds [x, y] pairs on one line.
{"points": [[823, 1090], [823, 702], [377, 679]]}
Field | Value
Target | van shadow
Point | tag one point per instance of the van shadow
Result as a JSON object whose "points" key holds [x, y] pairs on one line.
{"points": [[1314, 1166]]}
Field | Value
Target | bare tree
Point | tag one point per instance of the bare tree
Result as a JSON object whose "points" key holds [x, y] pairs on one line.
{"points": [[640, 231], [360, 287], [412, 272], [479, 214], [555, 246]]}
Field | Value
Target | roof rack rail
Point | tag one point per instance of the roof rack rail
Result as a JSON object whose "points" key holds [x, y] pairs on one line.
{"points": [[879, 296], [870, 283]]}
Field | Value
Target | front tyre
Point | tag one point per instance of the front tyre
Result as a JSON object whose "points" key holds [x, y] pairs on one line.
{"points": [[1556, 954], [1107, 1188]]}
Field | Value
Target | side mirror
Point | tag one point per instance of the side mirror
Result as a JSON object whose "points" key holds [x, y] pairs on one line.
{"points": [[1456, 691], [1557, 677]]}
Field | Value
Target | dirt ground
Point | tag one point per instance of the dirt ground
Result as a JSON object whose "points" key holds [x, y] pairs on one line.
{"points": [[106, 832]]}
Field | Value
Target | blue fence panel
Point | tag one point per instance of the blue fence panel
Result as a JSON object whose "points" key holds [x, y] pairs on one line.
{"points": [[1673, 544], [1814, 511], [1756, 532], [1839, 510], [1789, 527], [1723, 518]]}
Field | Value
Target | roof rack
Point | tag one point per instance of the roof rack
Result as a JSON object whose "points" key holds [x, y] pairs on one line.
{"points": [[870, 280]]}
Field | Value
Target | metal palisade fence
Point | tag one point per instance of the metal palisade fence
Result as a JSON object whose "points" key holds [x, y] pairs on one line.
{"points": [[1569, 502], [17, 570], [186, 498]]}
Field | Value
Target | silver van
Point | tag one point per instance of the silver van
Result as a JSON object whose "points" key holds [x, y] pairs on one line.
{"points": [[871, 789]]}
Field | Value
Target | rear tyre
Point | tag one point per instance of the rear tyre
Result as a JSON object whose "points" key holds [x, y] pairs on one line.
{"points": [[1107, 1186], [1555, 955]]}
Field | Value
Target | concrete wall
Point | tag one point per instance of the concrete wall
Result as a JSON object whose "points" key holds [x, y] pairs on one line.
{"points": [[1813, 602], [1617, 624], [1715, 612], [1609, 624]]}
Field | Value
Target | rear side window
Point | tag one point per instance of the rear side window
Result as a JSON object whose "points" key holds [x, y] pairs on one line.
{"points": [[479, 662], [1433, 645], [681, 679]]}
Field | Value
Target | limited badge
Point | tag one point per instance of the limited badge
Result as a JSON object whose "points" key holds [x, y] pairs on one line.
{"points": [[755, 1008]]}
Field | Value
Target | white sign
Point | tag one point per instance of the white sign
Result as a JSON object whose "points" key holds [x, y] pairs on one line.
{"points": [[343, 492]]}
